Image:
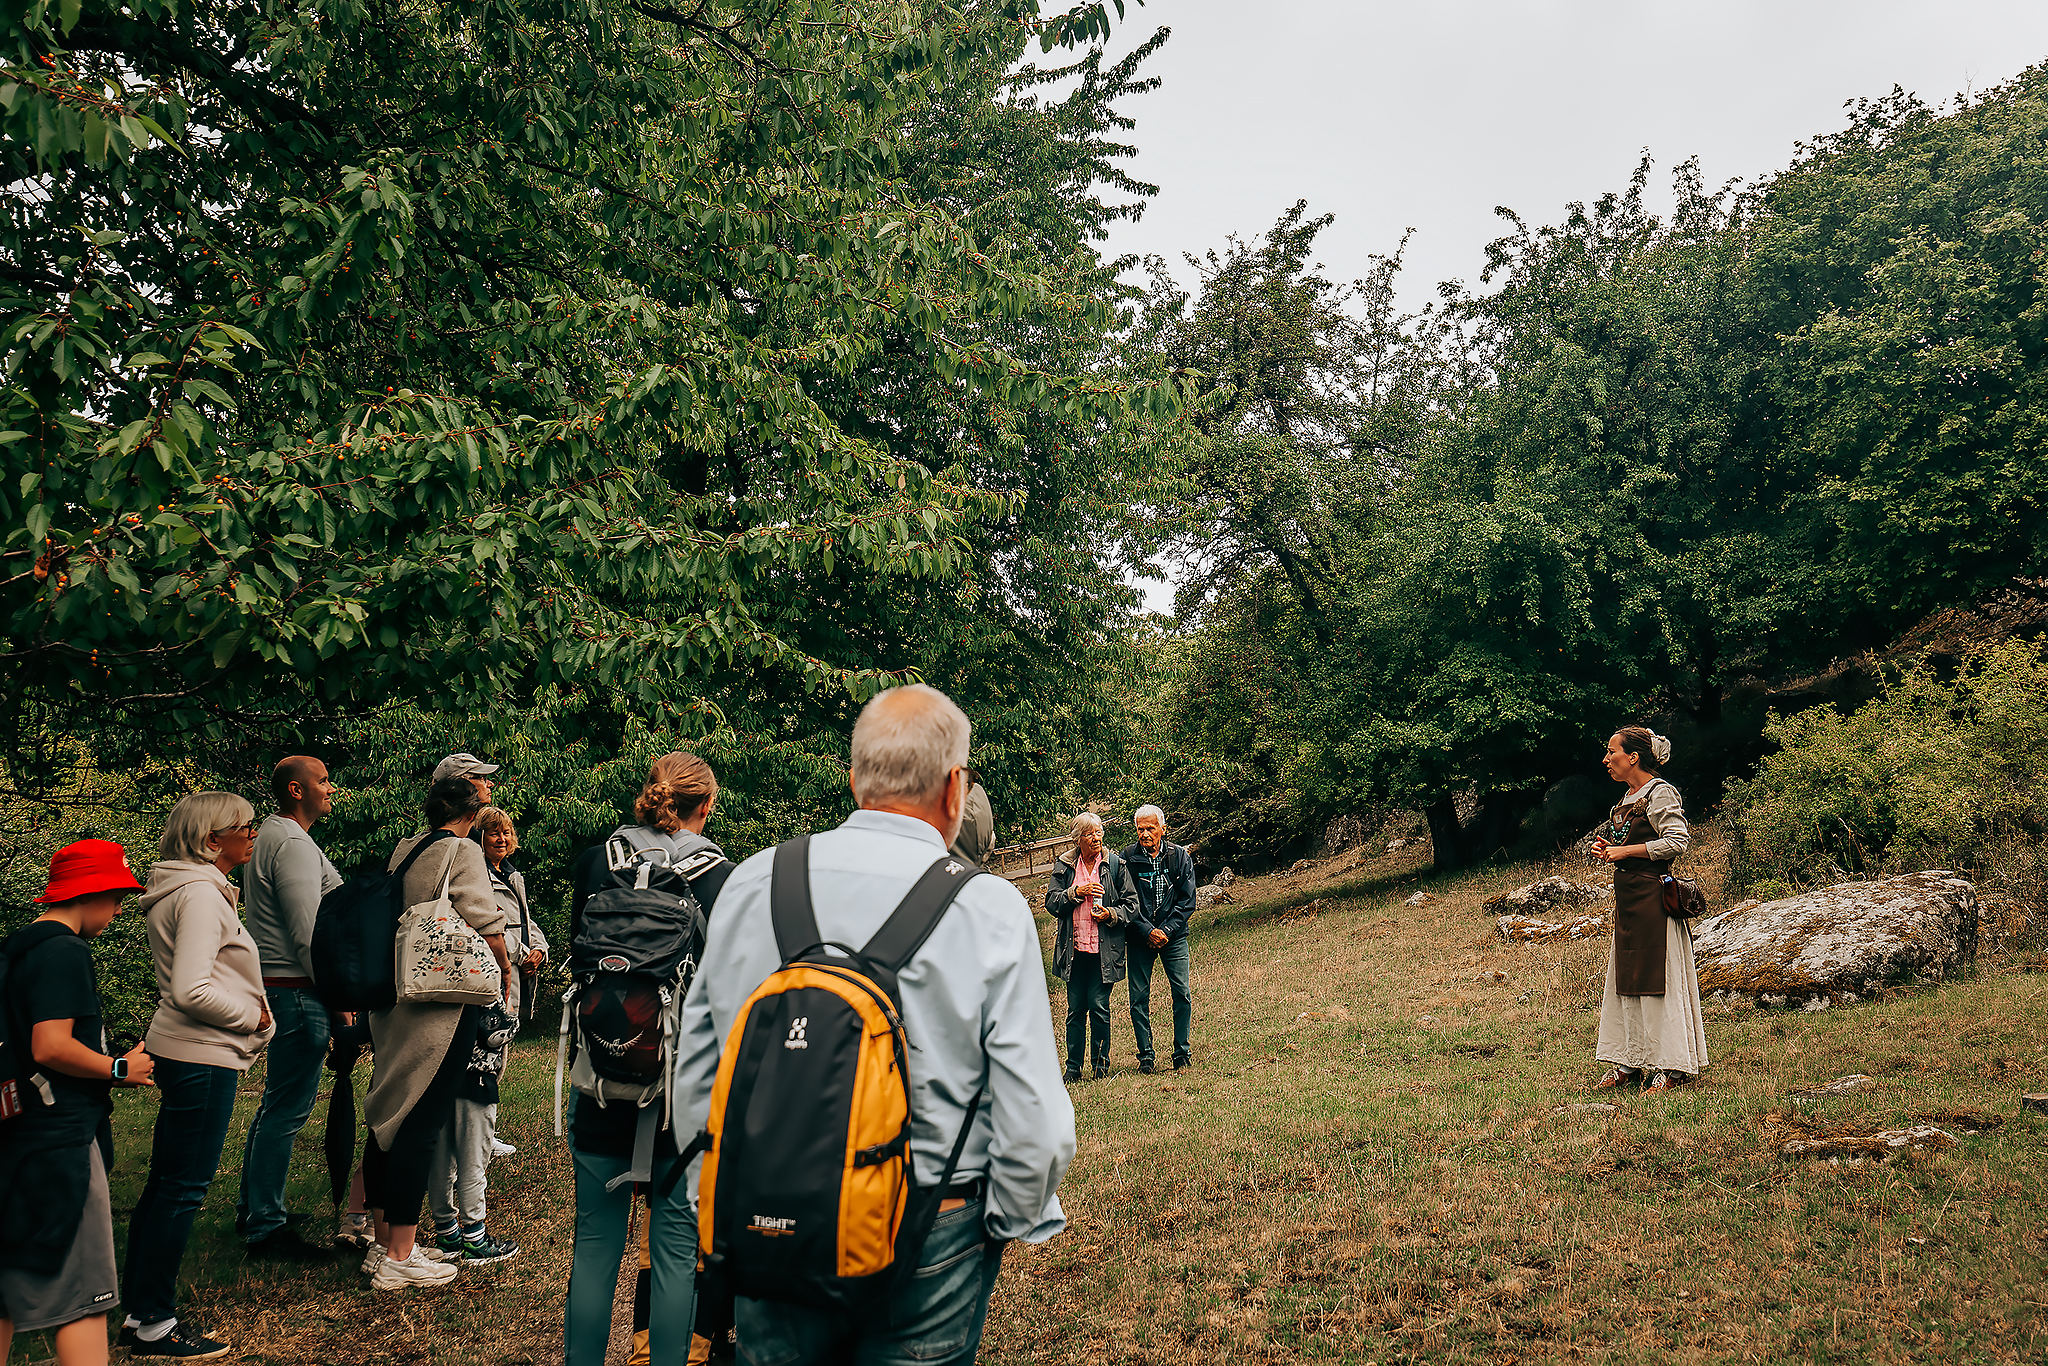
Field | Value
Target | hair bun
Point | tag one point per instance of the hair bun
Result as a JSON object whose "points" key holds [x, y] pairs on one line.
{"points": [[1660, 748]]}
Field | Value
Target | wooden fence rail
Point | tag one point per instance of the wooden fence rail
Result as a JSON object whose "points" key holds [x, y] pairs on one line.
{"points": [[1020, 861]]}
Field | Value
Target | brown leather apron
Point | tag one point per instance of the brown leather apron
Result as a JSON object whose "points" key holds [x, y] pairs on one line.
{"points": [[1639, 931]]}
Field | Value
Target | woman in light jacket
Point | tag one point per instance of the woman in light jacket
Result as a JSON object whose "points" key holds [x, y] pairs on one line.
{"points": [[1093, 898], [212, 1021], [1650, 1018], [424, 1048]]}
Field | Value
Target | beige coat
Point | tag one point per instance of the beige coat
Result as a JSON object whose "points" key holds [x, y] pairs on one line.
{"points": [[209, 976], [412, 1040]]}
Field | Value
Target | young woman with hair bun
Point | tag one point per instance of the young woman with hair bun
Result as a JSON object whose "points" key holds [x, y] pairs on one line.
{"points": [[1650, 1018], [669, 814]]}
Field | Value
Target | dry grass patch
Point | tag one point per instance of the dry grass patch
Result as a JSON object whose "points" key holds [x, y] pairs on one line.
{"points": [[1378, 1158]]}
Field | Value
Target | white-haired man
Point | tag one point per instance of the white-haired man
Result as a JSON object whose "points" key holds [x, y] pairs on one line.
{"points": [[1165, 875], [974, 1007]]}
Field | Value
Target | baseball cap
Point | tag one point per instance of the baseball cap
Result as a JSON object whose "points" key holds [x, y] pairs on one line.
{"points": [[86, 867], [463, 765]]}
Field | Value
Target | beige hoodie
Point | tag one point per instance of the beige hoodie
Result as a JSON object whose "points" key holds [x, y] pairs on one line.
{"points": [[209, 977]]}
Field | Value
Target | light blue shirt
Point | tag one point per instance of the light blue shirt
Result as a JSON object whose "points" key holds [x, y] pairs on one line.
{"points": [[974, 1009]]}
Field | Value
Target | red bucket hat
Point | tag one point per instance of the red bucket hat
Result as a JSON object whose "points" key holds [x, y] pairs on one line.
{"points": [[87, 867]]}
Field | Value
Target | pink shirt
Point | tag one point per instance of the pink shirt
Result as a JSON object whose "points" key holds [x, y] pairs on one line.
{"points": [[1087, 938]]}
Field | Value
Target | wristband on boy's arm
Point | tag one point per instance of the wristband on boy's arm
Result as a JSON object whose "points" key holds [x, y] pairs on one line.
{"points": [[118, 1071]]}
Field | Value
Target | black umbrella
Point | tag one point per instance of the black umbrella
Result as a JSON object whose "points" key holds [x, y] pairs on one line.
{"points": [[346, 1046]]}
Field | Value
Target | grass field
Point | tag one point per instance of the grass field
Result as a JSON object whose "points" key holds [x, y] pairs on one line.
{"points": [[1376, 1158]]}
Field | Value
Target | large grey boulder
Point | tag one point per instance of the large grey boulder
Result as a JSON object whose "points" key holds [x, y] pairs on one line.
{"points": [[1841, 944]]}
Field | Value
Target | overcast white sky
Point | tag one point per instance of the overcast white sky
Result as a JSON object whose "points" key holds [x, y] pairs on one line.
{"points": [[1427, 113], [1394, 114]]}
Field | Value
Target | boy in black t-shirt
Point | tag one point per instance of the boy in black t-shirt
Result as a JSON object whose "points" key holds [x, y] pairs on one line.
{"points": [[56, 1223]]}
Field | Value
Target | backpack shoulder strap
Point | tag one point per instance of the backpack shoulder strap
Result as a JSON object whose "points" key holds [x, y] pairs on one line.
{"points": [[698, 864], [789, 898], [919, 913], [433, 837]]}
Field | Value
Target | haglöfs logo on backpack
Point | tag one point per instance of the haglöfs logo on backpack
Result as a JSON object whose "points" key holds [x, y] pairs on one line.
{"points": [[613, 963], [796, 1037]]}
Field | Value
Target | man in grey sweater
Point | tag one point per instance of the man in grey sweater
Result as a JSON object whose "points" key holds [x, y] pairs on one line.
{"points": [[284, 884]]}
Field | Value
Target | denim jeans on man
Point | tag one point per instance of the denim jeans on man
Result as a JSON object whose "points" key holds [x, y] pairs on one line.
{"points": [[195, 1103], [933, 1320], [1087, 1004], [291, 1080], [1173, 955], [601, 1218]]}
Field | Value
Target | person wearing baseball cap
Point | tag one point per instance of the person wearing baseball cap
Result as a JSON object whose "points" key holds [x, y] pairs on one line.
{"points": [[56, 1219], [467, 765]]}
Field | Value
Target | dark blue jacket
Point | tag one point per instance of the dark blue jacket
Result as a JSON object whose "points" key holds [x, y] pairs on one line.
{"points": [[1166, 892]]}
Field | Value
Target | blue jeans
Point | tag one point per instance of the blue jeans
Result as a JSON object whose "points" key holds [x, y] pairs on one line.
{"points": [[1174, 955], [1087, 1003], [601, 1217], [291, 1079], [933, 1320], [194, 1106]]}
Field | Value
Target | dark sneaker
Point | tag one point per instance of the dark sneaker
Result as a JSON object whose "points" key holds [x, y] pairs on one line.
{"points": [[1146, 1069], [183, 1341], [1181, 1063], [484, 1248], [292, 1219], [286, 1245], [1073, 1074]]}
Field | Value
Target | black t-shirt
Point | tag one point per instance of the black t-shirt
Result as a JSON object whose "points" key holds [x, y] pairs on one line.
{"points": [[55, 981]]}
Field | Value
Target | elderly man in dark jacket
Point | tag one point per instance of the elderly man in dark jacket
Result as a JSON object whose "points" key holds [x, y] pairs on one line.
{"points": [[1165, 878], [1091, 896]]}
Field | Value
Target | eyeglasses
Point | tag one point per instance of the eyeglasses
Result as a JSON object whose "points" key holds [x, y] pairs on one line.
{"points": [[245, 828]]}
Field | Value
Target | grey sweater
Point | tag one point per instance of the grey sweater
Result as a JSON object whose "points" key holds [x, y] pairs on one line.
{"points": [[285, 882]]}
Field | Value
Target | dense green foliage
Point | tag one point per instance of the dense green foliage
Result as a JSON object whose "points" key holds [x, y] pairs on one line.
{"points": [[1929, 774], [1447, 554], [462, 351]]}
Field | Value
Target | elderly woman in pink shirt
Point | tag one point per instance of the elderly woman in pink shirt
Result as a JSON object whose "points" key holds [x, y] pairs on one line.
{"points": [[1092, 897]]}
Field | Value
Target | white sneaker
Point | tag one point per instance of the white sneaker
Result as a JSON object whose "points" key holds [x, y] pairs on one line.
{"points": [[500, 1148], [425, 1249], [414, 1270], [373, 1257]]}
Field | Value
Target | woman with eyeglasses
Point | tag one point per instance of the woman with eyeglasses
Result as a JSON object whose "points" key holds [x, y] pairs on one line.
{"points": [[211, 1021]]}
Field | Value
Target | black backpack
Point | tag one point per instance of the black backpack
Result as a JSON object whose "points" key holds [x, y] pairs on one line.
{"points": [[355, 936], [20, 1084], [808, 1193], [630, 965]]}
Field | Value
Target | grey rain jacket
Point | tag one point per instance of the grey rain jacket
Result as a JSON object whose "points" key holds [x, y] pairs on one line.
{"points": [[1119, 895]]}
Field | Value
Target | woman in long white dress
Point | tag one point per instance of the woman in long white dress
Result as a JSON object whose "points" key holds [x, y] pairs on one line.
{"points": [[1650, 1017]]}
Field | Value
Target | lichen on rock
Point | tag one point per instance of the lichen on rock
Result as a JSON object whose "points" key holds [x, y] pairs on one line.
{"points": [[1841, 944]]}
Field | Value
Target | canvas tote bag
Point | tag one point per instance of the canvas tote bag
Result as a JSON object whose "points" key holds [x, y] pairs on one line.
{"points": [[440, 959]]}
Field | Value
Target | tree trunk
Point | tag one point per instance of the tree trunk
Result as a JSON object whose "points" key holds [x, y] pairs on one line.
{"points": [[1446, 837]]}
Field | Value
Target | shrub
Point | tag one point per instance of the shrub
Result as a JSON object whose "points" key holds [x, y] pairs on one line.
{"points": [[1930, 773]]}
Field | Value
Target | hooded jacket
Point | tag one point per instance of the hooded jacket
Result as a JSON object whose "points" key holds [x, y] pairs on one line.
{"points": [[209, 974], [1119, 897]]}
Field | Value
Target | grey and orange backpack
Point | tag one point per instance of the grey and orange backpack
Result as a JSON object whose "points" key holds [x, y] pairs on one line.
{"points": [[808, 1193]]}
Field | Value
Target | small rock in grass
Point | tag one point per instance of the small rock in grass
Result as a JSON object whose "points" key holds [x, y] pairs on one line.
{"points": [[1529, 929], [1842, 1086], [1419, 899], [1545, 896], [1858, 1147]]}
